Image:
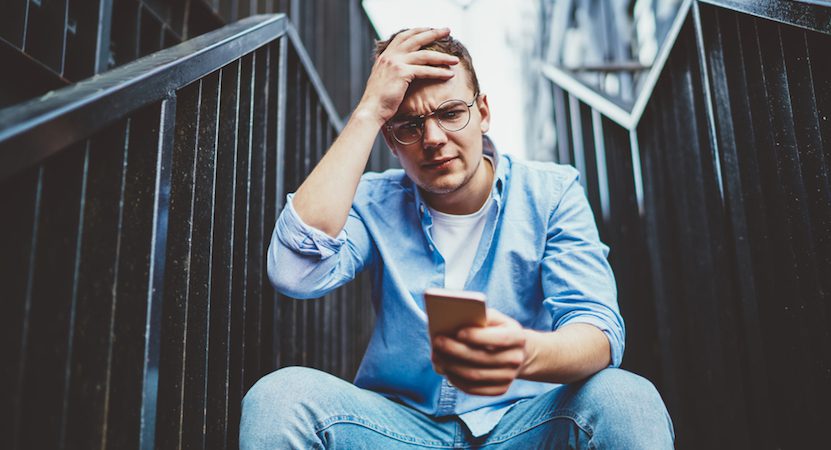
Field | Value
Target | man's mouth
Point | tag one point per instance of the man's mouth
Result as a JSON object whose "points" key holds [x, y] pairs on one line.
{"points": [[439, 164]]}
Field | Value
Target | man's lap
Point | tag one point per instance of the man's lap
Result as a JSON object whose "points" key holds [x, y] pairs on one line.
{"points": [[309, 407], [336, 410]]}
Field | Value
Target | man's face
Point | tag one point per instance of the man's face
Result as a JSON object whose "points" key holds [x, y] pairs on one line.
{"points": [[442, 162]]}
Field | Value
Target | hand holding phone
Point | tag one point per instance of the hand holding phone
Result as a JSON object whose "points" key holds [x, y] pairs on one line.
{"points": [[449, 310]]}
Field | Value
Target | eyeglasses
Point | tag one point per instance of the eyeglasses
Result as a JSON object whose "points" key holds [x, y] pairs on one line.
{"points": [[451, 115]]}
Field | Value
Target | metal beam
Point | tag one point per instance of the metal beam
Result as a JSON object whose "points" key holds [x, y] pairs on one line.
{"points": [[317, 83], [611, 108], [36, 129], [810, 15]]}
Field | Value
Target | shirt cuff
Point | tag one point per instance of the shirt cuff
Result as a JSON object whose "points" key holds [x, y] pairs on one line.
{"points": [[614, 343], [305, 239]]}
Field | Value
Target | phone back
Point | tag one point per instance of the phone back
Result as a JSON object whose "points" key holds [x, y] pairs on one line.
{"points": [[447, 311]]}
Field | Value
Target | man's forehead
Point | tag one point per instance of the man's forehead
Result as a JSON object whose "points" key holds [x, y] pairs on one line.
{"points": [[426, 93]]}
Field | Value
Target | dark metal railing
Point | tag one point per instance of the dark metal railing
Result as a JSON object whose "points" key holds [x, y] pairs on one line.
{"points": [[138, 206], [49, 44], [712, 189]]}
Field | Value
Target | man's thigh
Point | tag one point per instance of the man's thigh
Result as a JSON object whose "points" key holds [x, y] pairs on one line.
{"points": [[298, 407], [612, 409]]}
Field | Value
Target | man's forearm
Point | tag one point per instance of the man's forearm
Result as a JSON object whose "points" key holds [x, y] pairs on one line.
{"points": [[324, 198], [569, 354]]}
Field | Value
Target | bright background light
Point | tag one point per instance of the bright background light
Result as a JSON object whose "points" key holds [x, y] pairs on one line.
{"points": [[499, 36]]}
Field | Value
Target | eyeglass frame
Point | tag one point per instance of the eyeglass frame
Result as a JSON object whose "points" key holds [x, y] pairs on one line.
{"points": [[423, 117]]}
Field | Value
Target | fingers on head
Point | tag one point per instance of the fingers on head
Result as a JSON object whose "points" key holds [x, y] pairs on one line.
{"points": [[406, 34], [422, 36], [432, 72], [432, 57]]}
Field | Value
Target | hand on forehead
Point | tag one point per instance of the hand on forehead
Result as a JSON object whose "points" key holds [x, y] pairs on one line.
{"points": [[430, 93]]}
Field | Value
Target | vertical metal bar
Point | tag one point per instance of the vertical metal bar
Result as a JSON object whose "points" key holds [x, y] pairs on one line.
{"points": [[73, 308], [590, 164], [704, 72], [125, 152], [124, 36], [44, 380], [85, 398], [817, 45], [172, 367], [133, 289], [47, 24], [272, 308], [356, 51], [577, 137], [199, 303], [263, 328], [102, 35], [729, 86], [636, 169], [813, 218], [13, 22], [651, 129], [262, 95], [23, 349], [796, 249], [765, 207], [222, 268], [286, 96], [602, 175], [561, 121], [306, 308], [155, 281], [242, 208]]}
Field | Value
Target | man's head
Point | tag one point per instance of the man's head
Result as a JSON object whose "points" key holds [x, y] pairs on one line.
{"points": [[443, 160], [448, 45]]}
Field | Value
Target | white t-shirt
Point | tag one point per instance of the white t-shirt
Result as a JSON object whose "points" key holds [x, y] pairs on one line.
{"points": [[457, 238]]}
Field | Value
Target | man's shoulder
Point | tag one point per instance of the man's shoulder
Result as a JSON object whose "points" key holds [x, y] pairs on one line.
{"points": [[378, 186], [542, 178]]}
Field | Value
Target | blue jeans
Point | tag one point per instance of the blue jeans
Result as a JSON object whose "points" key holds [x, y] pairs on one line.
{"points": [[302, 408]]}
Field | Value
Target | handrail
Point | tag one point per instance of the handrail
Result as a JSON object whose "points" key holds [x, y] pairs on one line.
{"points": [[810, 16], [32, 131]]}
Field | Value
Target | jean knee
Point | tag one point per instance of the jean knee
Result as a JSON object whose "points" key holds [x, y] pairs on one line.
{"points": [[617, 389], [618, 402], [284, 388], [279, 410]]}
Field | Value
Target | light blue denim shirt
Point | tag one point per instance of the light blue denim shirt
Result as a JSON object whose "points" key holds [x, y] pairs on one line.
{"points": [[540, 261]]}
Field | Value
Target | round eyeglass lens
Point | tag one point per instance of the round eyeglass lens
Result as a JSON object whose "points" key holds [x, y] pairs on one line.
{"points": [[407, 132], [453, 115]]}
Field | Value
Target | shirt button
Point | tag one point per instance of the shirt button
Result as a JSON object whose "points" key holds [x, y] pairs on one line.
{"points": [[421, 209], [430, 247]]}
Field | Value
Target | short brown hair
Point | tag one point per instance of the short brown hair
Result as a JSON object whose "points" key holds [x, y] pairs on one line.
{"points": [[448, 45]]}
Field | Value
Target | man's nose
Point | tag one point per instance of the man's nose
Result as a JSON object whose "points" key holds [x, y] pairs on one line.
{"points": [[434, 136]]}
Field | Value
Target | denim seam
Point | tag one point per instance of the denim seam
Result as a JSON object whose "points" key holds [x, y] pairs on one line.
{"points": [[334, 420], [557, 414]]}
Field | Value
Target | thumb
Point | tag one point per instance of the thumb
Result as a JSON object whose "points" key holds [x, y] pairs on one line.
{"points": [[496, 318]]}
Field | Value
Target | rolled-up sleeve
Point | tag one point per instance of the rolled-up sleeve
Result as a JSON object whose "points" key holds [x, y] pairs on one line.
{"points": [[578, 283], [304, 262]]}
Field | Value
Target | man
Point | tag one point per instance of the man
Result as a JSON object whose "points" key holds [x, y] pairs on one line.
{"points": [[541, 374]]}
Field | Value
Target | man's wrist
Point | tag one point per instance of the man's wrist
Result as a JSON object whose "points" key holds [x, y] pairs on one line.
{"points": [[532, 353], [367, 115]]}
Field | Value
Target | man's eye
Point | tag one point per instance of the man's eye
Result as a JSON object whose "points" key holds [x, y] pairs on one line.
{"points": [[409, 125], [452, 114]]}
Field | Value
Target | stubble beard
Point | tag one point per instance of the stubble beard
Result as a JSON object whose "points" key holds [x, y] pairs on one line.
{"points": [[444, 190]]}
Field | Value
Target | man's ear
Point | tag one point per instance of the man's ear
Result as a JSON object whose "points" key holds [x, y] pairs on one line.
{"points": [[484, 112]]}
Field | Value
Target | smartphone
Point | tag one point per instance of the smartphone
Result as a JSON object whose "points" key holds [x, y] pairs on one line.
{"points": [[449, 310]]}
